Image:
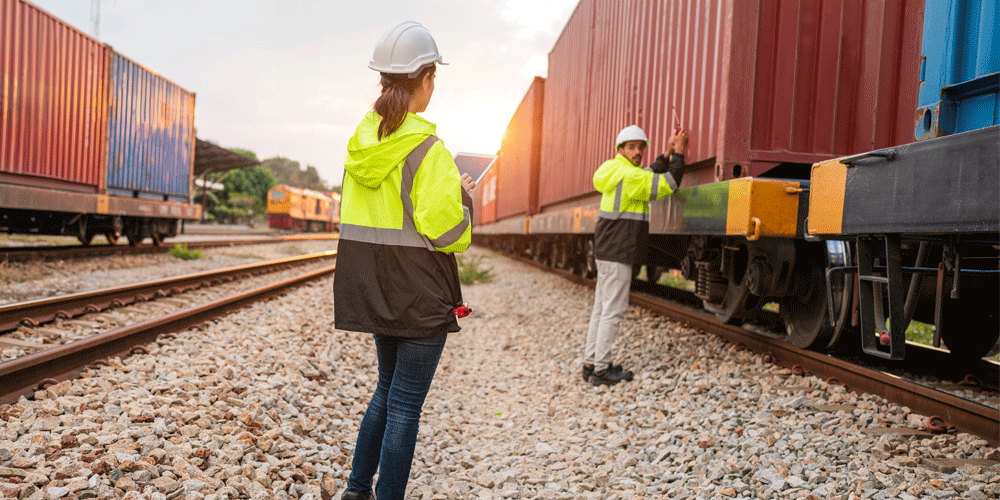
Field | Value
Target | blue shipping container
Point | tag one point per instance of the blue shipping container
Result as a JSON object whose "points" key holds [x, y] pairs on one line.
{"points": [[960, 69], [150, 134]]}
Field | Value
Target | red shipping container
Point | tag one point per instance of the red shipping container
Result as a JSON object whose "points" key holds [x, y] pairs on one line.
{"points": [[484, 199], [53, 101], [520, 156], [758, 84]]}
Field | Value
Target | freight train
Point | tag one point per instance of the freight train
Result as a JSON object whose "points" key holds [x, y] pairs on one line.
{"points": [[298, 209], [91, 142], [843, 161]]}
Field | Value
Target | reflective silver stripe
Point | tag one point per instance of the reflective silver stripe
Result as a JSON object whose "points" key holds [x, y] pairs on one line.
{"points": [[656, 187], [671, 182], [410, 167], [623, 215], [454, 234], [381, 236], [618, 195]]}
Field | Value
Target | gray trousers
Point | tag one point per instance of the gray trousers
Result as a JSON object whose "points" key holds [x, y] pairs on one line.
{"points": [[614, 280]]}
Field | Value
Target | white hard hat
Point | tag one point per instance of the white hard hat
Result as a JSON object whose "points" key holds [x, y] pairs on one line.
{"points": [[631, 133], [405, 49]]}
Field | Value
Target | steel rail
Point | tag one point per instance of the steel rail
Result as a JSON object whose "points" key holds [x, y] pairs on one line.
{"points": [[22, 254], [21, 376], [964, 415], [36, 312]]}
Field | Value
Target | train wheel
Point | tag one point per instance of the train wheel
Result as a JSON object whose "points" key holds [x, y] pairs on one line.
{"points": [[654, 273], [737, 304], [157, 239], [83, 232], [806, 314], [134, 233], [591, 259], [113, 234], [562, 252]]}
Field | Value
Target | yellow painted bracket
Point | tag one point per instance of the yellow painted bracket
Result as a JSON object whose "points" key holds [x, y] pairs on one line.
{"points": [[826, 197], [763, 207], [102, 204]]}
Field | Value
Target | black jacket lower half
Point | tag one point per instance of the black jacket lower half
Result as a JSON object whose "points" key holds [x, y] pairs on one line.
{"points": [[395, 290], [621, 240]]}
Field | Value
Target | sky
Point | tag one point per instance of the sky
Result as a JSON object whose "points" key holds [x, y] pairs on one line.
{"points": [[290, 77]]}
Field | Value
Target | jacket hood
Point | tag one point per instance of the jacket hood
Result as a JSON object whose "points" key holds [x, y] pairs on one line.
{"points": [[369, 160]]}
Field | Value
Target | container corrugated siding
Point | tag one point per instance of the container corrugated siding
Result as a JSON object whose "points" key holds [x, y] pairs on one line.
{"points": [[757, 83], [150, 133], [484, 198], [960, 76], [520, 156], [53, 101]]}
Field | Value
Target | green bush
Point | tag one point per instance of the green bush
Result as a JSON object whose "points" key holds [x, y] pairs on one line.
{"points": [[469, 271], [181, 252]]}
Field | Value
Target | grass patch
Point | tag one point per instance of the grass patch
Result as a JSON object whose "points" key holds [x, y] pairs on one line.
{"points": [[921, 333], [247, 256], [181, 252], [471, 270]]}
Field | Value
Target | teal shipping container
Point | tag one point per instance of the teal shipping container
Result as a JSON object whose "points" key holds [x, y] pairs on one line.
{"points": [[150, 134]]}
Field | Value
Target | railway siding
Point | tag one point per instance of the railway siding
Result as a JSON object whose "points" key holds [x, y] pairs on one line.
{"points": [[265, 403]]}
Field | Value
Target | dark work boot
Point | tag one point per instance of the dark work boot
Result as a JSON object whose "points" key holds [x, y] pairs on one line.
{"points": [[588, 370], [353, 495], [610, 376]]}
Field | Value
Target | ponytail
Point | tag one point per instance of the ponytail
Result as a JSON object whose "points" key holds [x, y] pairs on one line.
{"points": [[394, 103]]}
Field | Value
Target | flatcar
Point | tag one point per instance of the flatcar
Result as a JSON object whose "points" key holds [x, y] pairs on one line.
{"points": [[298, 209], [90, 141], [843, 161]]}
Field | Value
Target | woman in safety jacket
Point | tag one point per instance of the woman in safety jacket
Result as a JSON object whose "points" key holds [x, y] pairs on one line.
{"points": [[405, 211]]}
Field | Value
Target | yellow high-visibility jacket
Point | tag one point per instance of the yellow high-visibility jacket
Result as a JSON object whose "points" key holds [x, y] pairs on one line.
{"points": [[403, 213], [623, 223]]}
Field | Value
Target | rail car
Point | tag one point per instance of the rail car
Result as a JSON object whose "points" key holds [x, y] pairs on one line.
{"points": [[298, 209], [843, 162], [90, 141]]}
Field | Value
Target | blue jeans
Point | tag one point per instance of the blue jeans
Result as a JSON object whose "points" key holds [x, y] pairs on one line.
{"points": [[388, 431]]}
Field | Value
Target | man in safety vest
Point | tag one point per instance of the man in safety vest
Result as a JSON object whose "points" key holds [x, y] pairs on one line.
{"points": [[620, 239]]}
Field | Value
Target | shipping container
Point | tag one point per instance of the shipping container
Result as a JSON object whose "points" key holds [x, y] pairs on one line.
{"points": [[150, 134], [484, 198], [960, 68], [53, 101], [762, 86], [520, 156]]}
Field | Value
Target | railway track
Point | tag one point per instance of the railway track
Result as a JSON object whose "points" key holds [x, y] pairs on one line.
{"points": [[23, 254], [53, 363], [947, 411]]}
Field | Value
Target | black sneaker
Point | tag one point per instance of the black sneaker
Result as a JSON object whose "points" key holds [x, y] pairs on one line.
{"points": [[353, 495], [610, 376], [588, 370]]}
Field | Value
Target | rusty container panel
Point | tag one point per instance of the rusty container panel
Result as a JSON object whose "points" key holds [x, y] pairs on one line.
{"points": [[53, 101], [520, 156], [484, 197], [150, 134], [759, 84]]}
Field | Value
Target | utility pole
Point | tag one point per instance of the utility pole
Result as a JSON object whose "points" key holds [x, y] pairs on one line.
{"points": [[95, 17]]}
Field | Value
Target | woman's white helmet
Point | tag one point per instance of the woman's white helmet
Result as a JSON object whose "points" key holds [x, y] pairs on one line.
{"points": [[631, 133], [405, 49]]}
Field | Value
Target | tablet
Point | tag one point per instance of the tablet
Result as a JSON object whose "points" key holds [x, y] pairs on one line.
{"points": [[474, 164]]}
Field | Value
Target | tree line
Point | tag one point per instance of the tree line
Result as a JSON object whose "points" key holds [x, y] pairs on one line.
{"points": [[243, 198]]}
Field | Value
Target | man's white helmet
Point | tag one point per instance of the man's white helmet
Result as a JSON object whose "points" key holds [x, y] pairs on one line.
{"points": [[631, 133], [405, 49]]}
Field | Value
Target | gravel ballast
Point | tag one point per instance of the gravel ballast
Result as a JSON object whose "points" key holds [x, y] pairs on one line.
{"points": [[266, 402]]}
